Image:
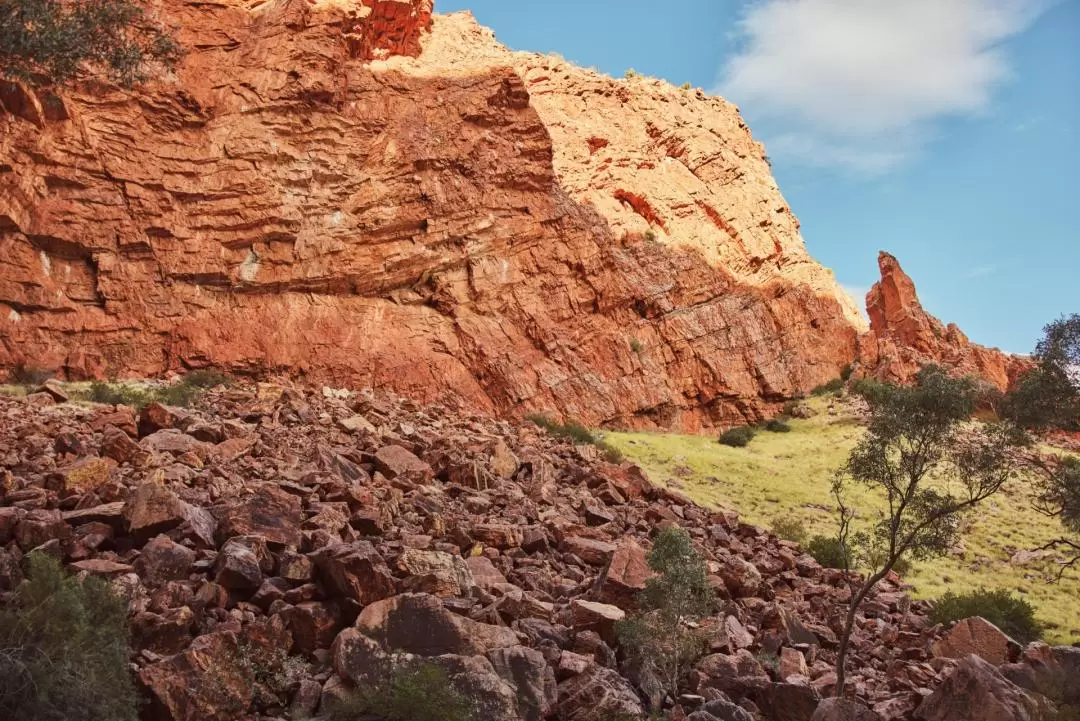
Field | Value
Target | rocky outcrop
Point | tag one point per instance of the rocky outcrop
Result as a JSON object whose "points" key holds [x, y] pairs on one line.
{"points": [[903, 337], [362, 193]]}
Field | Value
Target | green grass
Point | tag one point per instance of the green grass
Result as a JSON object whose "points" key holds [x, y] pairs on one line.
{"points": [[780, 474]]}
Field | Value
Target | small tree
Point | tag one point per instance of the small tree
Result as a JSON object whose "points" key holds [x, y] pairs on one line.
{"points": [[63, 650], [1048, 398], [663, 636], [53, 40], [1059, 497], [930, 464], [420, 693]]}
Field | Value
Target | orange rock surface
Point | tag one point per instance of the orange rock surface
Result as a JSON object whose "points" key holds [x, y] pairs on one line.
{"points": [[361, 193], [903, 336]]}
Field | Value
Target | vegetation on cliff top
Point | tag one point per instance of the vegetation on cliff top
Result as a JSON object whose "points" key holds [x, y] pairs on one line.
{"points": [[48, 41]]}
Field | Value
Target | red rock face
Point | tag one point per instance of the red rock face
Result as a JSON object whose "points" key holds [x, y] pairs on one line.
{"points": [[903, 336], [498, 228]]}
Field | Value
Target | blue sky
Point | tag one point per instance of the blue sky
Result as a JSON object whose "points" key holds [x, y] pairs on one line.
{"points": [[944, 131]]}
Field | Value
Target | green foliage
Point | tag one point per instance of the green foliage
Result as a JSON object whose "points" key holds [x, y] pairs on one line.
{"points": [[182, 394], [423, 693], [63, 650], [834, 386], [53, 41], [828, 551], [1048, 396], [930, 466], [637, 346], [1013, 615], [631, 73], [650, 236], [845, 373], [790, 528], [686, 86], [29, 376], [571, 429], [660, 635], [579, 434], [739, 437], [777, 425]]}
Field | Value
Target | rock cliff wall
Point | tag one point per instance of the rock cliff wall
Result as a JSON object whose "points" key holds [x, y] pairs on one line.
{"points": [[361, 193], [903, 336]]}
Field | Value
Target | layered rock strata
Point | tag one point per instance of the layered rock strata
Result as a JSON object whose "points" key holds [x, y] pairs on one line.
{"points": [[362, 193]]}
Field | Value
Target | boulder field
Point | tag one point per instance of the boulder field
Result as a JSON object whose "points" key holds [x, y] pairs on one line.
{"points": [[278, 547]]}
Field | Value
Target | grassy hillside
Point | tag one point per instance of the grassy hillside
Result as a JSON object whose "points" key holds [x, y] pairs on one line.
{"points": [[789, 474]]}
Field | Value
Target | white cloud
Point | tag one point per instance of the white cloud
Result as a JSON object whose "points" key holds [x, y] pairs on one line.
{"points": [[980, 271], [859, 84]]}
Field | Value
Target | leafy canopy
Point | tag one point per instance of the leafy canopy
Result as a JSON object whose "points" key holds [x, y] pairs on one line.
{"points": [[1048, 396], [43, 41], [63, 650]]}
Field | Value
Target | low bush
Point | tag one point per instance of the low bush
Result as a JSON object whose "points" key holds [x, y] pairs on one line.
{"points": [[28, 376], [637, 346], [777, 426], [790, 528], [579, 434], [571, 429], [423, 693], [63, 650], [833, 386], [738, 437], [182, 394], [828, 551], [1013, 615]]}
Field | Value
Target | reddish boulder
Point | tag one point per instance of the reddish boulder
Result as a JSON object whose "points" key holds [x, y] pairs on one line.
{"points": [[977, 690], [356, 571], [418, 623], [625, 576], [977, 636], [270, 513]]}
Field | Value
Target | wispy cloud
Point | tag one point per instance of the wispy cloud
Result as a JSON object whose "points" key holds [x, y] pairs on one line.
{"points": [[860, 84], [980, 271]]}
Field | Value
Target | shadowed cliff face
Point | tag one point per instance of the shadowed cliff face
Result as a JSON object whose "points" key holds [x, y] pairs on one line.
{"points": [[450, 226]]}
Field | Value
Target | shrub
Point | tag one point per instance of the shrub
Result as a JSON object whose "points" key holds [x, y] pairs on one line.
{"points": [[571, 429], [664, 635], [833, 386], [738, 437], [790, 528], [610, 453], [53, 40], [777, 426], [686, 86], [63, 650], [423, 693], [29, 376], [631, 73], [637, 346], [1014, 616], [271, 671], [650, 236], [845, 373], [828, 551], [183, 393]]}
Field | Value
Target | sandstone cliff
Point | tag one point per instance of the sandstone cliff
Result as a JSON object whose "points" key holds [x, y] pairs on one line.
{"points": [[903, 336], [360, 192]]}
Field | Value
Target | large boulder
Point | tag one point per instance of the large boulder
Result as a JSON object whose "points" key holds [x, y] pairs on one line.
{"points": [[737, 675], [788, 702], [978, 636], [270, 513], [204, 683], [977, 690], [837, 709], [418, 623], [596, 695], [1052, 672], [625, 576], [435, 572], [527, 672], [355, 571]]}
